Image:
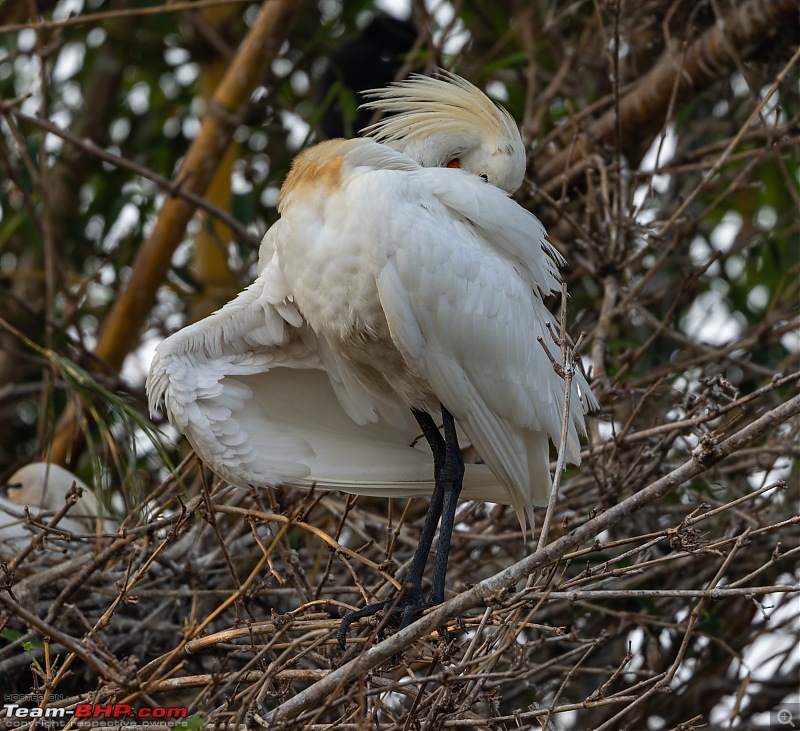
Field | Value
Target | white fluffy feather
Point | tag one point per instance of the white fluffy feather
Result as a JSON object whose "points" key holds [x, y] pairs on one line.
{"points": [[386, 284]]}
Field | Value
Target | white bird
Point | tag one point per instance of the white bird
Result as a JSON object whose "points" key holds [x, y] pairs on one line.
{"points": [[401, 280], [43, 488]]}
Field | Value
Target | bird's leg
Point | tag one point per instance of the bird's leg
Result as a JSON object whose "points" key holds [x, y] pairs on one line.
{"points": [[417, 569], [449, 472], [412, 603], [451, 477]]}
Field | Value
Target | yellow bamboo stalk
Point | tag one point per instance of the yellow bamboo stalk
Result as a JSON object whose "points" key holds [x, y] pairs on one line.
{"points": [[209, 264], [120, 331]]}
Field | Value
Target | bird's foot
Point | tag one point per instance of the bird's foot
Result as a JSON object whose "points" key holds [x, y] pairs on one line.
{"points": [[409, 606]]}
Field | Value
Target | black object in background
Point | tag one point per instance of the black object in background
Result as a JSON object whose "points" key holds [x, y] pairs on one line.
{"points": [[370, 60]]}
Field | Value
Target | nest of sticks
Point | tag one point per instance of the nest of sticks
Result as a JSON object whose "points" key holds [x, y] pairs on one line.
{"points": [[659, 569]]}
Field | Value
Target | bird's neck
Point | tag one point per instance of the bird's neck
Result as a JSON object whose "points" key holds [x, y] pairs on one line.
{"points": [[432, 152]]}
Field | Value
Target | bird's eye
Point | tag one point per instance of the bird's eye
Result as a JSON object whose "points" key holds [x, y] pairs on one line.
{"points": [[484, 177]]}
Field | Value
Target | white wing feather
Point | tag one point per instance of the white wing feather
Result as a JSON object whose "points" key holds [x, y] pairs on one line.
{"points": [[461, 293], [262, 402]]}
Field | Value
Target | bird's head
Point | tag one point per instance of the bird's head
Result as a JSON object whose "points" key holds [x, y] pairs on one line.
{"points": [[448, 122], [40, 484]]}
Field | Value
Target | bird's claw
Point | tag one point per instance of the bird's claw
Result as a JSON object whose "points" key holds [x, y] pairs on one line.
{"points": [[410, 606]]}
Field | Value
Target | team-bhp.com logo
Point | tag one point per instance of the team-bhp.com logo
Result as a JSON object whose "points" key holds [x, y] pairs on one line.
{"points": [[120, 712]]}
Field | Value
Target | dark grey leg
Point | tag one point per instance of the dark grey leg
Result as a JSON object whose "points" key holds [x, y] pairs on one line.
{"points": [[448, 475], [450, 479]]}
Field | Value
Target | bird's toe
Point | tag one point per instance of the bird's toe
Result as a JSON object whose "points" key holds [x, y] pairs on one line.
{"points": [[408, 607]]}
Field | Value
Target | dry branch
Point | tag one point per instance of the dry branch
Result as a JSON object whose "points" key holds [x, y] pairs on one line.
{"points": [[119, 14], [677, 77], [175, 190], [487, 591]]}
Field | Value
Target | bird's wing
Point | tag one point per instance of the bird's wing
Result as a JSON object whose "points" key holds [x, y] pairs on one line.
{"points": [[377, 458], [263, 404], [199, 375], [460, 286]]}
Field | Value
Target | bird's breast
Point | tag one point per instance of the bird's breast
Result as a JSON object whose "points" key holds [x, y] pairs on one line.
{"points": [[326, 254], [327, 264]]}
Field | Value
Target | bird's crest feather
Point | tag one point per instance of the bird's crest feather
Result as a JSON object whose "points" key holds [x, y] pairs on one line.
{"points": [[425, 106]]}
